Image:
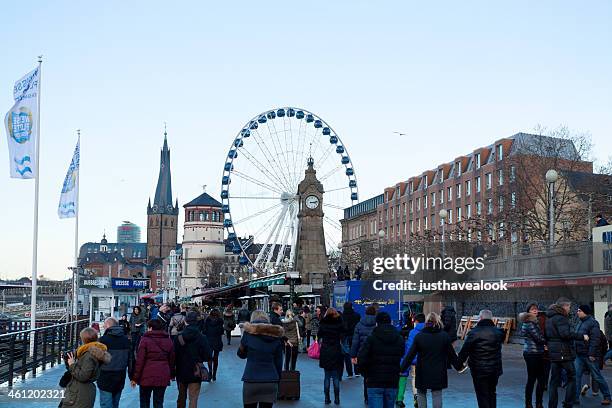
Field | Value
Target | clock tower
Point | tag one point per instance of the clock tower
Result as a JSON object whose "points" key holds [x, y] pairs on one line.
{"points": [[311, 257]]}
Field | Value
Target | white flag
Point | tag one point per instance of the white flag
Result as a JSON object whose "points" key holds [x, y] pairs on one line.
{"points": [[70, 190], [21, 124]]}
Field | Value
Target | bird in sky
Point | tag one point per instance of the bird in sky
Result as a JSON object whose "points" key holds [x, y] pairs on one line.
{"points": [[400, 133]]}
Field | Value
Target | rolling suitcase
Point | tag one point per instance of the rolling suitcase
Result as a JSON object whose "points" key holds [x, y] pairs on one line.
{"points": [[289, 385]]}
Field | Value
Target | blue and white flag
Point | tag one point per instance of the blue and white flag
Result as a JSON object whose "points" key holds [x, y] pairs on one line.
{"points": [[69, 199], [21, 124]]}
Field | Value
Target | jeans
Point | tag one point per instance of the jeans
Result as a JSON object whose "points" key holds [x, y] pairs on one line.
{"points": [[331, 375], [608, 355], [291, 354], [308, 334], [193, 389], [213, 364], [535, 373], [347, 357], [228, 335], [555, 381], [582, 363], [486, 390], [381, 397], [158, 396], [109, 400], [436, 398]]}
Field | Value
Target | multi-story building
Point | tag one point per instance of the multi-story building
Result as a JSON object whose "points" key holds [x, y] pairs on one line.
{"points": [[360, 227], [203, 244], [128, 233]]}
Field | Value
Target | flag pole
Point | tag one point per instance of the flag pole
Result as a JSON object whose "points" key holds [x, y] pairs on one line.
{"points": [[35, 237], [75, 298]]}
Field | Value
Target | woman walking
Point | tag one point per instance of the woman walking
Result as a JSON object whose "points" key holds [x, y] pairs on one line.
{"points": [[213, 330], [331, 332], [262, 347], [154, 365], [138, 323], [307, 324], [84, 370], [533, 353], [435, 349], [229, 323], [292, 334]]}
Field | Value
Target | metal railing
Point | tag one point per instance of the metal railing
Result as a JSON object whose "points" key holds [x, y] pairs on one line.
{"points": [[16, 358]]}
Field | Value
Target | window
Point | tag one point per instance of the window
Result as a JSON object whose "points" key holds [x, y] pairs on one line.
{"points": [[458, 190], [425, 226], [468, 211], [449, 193], [412, 227], [418, 224], [425, 201], [404, 209], [433, 199], [513, 199], [500, 177], [478, 184], [158, 282], [458, 214], [158, 273], [468, 187], [450, 216], [397, 193], [411, 206], [478, 208], [392, 213], [501, 203], [418, 203], [488, 181], [411, 186], [458, 167], [432, 219], [512, 173], [489, 206], [477, 160], [442, 196], [500, 152]]}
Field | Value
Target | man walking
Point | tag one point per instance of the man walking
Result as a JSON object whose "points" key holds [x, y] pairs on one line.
{"points": [[112, 375], [350, 318], [276, 313], [588, 352], [482, 347], [561, 352]]}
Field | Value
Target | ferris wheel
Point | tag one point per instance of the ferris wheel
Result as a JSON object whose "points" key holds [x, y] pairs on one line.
{"points": [[265, 163]]}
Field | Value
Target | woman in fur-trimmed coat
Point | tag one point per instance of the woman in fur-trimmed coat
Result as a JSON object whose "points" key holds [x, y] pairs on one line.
{"points": [[262, 347]]}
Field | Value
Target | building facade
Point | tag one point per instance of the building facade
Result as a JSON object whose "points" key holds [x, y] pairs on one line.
{"points": [[359, 230], [128, 233], [162, 216]]}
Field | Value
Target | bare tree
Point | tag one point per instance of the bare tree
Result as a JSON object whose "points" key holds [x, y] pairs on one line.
{"points": [[210, 272]]}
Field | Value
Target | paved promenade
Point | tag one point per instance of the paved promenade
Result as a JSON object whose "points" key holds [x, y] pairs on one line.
{"points": [[227, 391]]}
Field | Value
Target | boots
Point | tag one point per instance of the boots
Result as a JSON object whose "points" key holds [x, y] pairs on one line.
{"points": [[327, 399], [337, 397]]}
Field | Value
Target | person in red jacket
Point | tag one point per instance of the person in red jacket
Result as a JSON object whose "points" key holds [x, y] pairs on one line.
{"points": [[154, 364]]}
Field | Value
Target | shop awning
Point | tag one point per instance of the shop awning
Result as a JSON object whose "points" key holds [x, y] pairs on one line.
{"points": [[265, 281]]}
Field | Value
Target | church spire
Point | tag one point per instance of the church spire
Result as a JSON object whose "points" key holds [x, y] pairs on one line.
{"points": [[162, 202]]}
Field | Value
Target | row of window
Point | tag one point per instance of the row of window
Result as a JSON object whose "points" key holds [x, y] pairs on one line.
{"points": [[214, 216]]}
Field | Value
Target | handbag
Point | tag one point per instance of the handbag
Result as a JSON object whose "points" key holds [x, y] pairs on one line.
{"points": [[199, 371], [314, 351], [65, 380]]}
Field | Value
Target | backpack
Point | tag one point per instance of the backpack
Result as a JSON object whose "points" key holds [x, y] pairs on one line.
{"points": [[177, 324]]}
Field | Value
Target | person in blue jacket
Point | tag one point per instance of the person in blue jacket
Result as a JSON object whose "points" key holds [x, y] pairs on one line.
{"points": [[363, 329], [419, 319]]}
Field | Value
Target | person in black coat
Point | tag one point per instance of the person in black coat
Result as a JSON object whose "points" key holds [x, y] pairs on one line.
{"points": [[449, 321], [276, 313], [434, 349], [112, 375], [379, 358], [262, 347], [331, 359], [192, 349], [213, 330], [350, 319], [534, 344], [483, 348], [560, 338]]}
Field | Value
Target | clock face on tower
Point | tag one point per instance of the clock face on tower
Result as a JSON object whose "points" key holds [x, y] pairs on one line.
{"points": [[312, 202]]}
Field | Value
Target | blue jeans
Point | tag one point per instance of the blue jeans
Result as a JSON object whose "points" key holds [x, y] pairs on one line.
{"points": [[109, 400], [332, 375], [582, 363], [608, 355], [381, 397]]}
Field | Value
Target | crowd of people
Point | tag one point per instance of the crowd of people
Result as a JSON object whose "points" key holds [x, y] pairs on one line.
{"points": [[153, 347]]}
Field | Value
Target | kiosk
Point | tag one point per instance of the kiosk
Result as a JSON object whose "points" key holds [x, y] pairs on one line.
{"points": [[112, 296]]}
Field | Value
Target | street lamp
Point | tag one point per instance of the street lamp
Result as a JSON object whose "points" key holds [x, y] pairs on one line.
{"points": [[381, 235], [443, 214], [551, 178]]}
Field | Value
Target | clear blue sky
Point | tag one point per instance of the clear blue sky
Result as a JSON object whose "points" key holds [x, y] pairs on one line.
{"points": [[452, 75]]}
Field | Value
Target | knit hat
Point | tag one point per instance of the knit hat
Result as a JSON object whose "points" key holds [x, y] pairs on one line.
{"points": [[382, 318], [586, 309], [191, 318]]}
